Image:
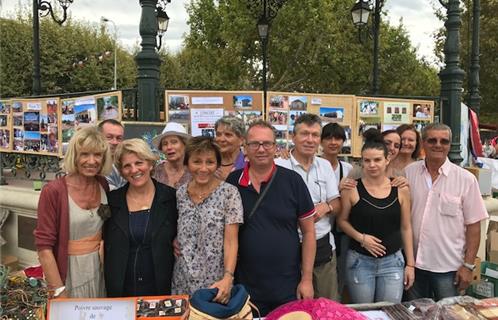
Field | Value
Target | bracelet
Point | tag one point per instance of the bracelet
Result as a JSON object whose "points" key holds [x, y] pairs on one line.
{"points": [[230, 273], [362, 239]]}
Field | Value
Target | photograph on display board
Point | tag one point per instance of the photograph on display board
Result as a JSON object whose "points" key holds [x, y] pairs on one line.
{"points": [[18, 144], [182, 116], [332, 114], [17, 119], [31, 121], [17, 106], [178, 102], [278, 119], [293, 115], [422, 111], [32, 141], [369, 125], [347, 145], [420, 124], [368, 108], [202, 121], [246, 116], [145, 131], [281, 134], [4, 107], [281, 102], [386, 127], [298, 102], [108, 107], [397, 112], [3, 120], [4, 138], [242, 101], [85, 111]]}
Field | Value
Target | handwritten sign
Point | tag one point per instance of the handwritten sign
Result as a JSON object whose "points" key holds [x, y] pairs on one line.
{"points": [[94, 309]]}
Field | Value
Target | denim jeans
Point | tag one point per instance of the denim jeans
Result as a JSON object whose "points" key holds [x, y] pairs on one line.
{"points": [[372, 279], [433, 285]]}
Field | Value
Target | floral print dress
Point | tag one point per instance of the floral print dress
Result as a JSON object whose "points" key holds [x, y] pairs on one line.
{"points": [[201, 230]]}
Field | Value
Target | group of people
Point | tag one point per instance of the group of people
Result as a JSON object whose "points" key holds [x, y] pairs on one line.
{"points": [[225, 210]]}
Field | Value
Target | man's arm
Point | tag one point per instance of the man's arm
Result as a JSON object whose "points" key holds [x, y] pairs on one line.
{"points": [[472, 239], [305, 287]]}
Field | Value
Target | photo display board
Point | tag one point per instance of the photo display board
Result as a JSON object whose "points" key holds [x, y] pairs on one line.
{"points": [[284, 109], [5, 126], [36, 126], [387, 113], [84, 111], [199, 110]]}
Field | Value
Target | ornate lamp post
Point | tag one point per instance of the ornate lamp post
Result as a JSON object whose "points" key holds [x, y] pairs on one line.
{"points": [[452, 77], [104, 20], [474, 97], [148, 60], [360, 13], [267, 11], [43, 8]]}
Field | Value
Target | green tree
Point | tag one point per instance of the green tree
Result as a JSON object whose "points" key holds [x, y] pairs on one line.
{"points": [[61, 47], [488, 54], [313, 48]]}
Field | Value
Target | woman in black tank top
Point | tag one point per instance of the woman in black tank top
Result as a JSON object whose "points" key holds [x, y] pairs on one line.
{"points": [[376, 216]]}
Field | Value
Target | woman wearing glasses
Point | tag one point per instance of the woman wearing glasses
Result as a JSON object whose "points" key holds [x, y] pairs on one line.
{"points": [[376, 216], [209, 214]]}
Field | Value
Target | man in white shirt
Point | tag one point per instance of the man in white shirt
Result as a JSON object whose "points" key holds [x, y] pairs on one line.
{"points": [[320, 179]]}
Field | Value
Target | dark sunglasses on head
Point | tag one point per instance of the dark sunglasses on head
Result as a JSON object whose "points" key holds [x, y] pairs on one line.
{"points": [[433, 141]]}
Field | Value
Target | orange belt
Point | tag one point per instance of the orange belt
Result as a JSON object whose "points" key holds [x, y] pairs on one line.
{"points": [[85, 245]]}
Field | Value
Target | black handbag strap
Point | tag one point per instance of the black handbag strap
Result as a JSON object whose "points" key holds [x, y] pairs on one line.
{"points": [[262, 194]]}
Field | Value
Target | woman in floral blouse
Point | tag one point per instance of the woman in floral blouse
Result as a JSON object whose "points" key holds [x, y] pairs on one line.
{"points": [[209, 214]]}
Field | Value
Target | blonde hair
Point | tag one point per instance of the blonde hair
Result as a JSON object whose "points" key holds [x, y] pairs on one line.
{"points": [[136, 146], [91, 139]]}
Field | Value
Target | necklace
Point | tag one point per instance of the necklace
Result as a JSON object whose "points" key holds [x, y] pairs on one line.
{"points": [[227, 164], [199, 196], [143, 204]]}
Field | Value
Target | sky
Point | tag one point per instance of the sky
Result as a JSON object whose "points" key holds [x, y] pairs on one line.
{"points": [[417, 16]]}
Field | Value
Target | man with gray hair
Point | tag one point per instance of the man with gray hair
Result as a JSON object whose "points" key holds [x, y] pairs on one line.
{"points": [[447, 210], [321, 182]]}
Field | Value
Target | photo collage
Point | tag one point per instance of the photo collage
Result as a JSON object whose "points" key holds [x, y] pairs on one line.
{"points": [[35, 126], [5, 131]]}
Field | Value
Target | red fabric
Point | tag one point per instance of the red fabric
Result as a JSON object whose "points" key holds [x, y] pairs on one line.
{"points": [[318, 309], [34, 272], [52, 227], [475, 137]]}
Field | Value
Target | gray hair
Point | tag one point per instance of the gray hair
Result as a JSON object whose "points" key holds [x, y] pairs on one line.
{"points": [[309, 119], [435, 126], [233, 123]]}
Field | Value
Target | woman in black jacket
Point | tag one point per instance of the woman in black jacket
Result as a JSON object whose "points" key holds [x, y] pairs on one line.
{"points": [[139, 234]]}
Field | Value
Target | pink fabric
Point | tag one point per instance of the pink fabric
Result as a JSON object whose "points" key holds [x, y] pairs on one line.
{"points": [[440, 211], [318, 309]]}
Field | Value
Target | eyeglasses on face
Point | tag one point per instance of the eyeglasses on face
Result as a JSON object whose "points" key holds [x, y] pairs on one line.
{"points": [[434, 141], [254, 145]]}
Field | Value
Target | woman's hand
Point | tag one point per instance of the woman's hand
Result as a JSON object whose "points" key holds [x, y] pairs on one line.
{"points": [[224, 289], [347, 183], [409, 277], [373, 245], [400, 182]]}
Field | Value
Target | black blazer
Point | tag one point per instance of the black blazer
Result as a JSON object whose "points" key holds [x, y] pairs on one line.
{"points": [[162, 229]]}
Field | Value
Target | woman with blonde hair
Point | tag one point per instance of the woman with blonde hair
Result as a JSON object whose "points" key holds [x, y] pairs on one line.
{"points": [[139, 234], [68, 231]]}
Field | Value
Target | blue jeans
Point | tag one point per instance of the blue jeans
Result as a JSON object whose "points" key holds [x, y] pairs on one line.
{"points": [[372, 279], [433, 285]]}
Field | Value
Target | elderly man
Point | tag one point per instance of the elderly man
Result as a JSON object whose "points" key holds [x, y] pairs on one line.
{"points": [[321, 181], [273, 265], [447, 210], [113, 132]]}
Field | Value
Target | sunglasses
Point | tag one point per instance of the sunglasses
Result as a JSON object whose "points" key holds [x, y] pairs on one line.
{"points": [[434, 141]]}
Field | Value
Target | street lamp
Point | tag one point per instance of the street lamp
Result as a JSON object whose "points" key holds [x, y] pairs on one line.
{"points": [[360, 12], [452, 78], [267, 11], [105, 20], [44, 8], [162, 24], [148, 61]]}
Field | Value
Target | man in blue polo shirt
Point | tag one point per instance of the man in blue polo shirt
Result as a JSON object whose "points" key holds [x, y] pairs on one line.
{"points": [[273, 265]]}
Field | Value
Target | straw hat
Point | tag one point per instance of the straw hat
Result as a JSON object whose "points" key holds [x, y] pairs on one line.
{"points": [[171, 129]]}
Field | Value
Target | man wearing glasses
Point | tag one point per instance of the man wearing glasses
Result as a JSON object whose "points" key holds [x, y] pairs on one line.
{"points": [[446, 212], [272, 263], [320, 179]]}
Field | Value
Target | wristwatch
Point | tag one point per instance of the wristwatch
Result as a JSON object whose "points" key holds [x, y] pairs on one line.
{"points": [[469, 266]]}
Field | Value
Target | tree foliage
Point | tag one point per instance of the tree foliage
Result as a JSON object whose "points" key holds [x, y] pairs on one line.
{"points": [[313, 47], [60, 48], [488, 58]]}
